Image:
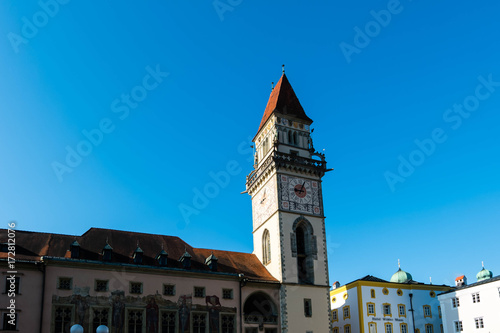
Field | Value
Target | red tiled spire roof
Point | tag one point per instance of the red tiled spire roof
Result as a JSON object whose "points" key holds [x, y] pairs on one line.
{"points": [[284, 101]]}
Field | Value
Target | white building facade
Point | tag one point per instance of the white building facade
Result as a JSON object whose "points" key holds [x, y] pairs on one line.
{"points": [[472, 308], [373, 305]]}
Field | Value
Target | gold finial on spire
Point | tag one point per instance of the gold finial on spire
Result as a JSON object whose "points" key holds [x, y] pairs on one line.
{"points": [[482, 263], [283, 68], [399, 264], [272, 86]]}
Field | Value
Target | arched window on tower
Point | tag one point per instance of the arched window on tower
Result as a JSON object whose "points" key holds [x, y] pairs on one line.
{"points": [[304, 248], [295, 139], [266, 247], [290, 137]]}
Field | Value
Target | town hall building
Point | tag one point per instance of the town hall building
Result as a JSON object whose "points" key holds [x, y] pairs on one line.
{"points": [[135, 282]]}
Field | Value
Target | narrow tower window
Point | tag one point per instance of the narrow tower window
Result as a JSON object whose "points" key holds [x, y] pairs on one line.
{"points": [[266, 247], [305, 248]]}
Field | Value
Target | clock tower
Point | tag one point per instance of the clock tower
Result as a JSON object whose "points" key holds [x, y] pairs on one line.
{"points": [[287, 208]]}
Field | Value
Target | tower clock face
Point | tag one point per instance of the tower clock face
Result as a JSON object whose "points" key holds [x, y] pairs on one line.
{"points": [[300, 195], [300, 190]]}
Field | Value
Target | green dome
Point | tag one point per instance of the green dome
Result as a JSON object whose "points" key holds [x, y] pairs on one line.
{"points": [[401, 277], [484, 274]]}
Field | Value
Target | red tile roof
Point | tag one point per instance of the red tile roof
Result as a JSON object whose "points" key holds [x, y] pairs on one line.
{"points": [[34, 245], [460, 277], [284, 101]]}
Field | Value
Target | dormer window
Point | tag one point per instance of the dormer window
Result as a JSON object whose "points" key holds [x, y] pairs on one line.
{"points": [[107, 252], [185, 259], [162, 258], [211, 262], [138, 254], [75, 250]]}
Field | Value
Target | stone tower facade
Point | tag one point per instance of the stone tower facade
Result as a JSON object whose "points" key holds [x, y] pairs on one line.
{"points": [[288, 217]]}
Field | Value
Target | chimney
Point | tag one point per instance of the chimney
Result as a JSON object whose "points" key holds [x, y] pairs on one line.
{"points": [[461, 281], [335, 285]]}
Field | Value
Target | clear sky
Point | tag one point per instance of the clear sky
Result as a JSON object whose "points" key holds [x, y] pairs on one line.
{"points": [[405, 98]]}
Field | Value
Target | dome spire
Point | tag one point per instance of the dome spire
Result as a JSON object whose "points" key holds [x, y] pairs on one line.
{"points": [[484, 274], [401, 276]]}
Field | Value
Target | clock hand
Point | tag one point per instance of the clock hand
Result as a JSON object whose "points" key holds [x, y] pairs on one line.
{"points": [[297, 190], [302, 188]]}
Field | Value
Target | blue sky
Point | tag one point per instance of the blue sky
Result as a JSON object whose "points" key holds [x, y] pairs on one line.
{"points": [[380, 79]]}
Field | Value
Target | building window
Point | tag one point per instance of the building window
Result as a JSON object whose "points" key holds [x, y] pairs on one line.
{"points": [[100, 316], [199, 291], [347, 328], [168, 320], [475, 298], [479, 322], [335, 315], [432, 294], [441, 328], [402, 310], [12, 285], [101, 285], [399, 292], [9, 323], [458, 326], [372, 327], [385, 291], [168, 289], [404, 328], [335, 330], [307, 307], [227, 293], [429, 328], [227, 323], [266, 247], [347, 313], [387, 310], [64, 283], [136, 287], [370, 309], [135, 320], [417, 330], [455, 302], [372, 293], [388, 327], [427, 311], [62, 318], [199, 322], [439, 311], [498, 292]]}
